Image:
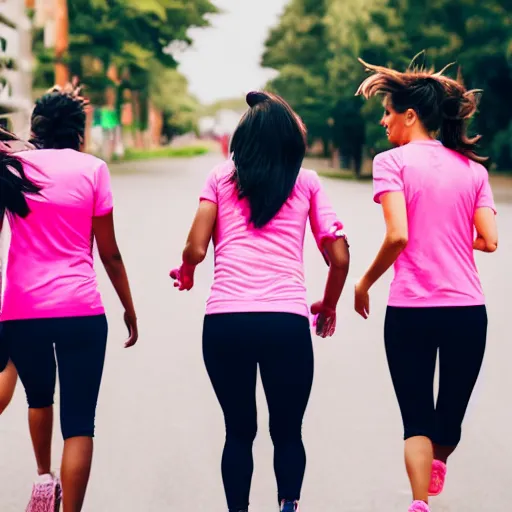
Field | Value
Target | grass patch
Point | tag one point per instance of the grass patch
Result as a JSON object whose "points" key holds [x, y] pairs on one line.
{"points": [[132, 154], [343, 174]]}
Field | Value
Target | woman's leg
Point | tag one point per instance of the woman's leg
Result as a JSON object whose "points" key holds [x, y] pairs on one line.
{"points": [[31, 348], [228, 350], [462, 341], [80, 348], [8, 379], [411, 351], [287, 365]]}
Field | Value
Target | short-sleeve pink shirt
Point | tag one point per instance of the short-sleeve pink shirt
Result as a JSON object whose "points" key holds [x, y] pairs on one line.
{"points": [[442, 190], [262, 270], [49, 269]]}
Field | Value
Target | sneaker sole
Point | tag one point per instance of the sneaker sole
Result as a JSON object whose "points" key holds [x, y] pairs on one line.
{"points": [[58, 498]]}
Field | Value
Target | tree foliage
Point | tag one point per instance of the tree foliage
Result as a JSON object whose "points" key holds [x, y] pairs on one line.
{"points": [[133, 36], [315, 47]]}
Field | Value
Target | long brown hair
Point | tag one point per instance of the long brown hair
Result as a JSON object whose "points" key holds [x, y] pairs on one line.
{"points": [[443, 104]]}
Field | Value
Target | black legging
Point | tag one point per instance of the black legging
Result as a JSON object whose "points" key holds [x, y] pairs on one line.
{"points": [[233, 346], [413, 337], [79, 345]]}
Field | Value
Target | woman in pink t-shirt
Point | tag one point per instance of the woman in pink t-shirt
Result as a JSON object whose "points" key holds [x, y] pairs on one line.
{"points": [[52, 314], [255, 207], [435, 195]]}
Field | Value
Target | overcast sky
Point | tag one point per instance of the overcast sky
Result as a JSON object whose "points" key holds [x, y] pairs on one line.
{"points": [[224, 61]]}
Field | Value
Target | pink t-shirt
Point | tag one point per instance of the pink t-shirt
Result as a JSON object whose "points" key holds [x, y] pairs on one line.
{"points": [[442, 190], [50, 270], [262, 270]]}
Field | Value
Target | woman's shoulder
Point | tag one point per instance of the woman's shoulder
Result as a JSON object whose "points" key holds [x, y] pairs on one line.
{"points": [[68, 158], [393, 156], [307, 177], [222, 170]]}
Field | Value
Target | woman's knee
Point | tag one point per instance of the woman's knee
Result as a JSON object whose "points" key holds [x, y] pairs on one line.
{"points": [[3, 404], [421, 427], [447, 435], [77, 426], [285, 431], [8, 379], [242, 430]]}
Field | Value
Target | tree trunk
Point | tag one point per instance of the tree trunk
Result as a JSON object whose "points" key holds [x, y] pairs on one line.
{"points": [[139, 142], [156, 122], [326, 147], [61, 42]]}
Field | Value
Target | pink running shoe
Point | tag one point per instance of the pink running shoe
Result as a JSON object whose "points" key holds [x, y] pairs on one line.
{"points": [[437, 478], [419, 506], [46, 495]]}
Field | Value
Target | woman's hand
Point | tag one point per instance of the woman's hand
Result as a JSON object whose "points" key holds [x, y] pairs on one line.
{"points": [[362, 299], [325, 319], [133, 332], [183, 277]]}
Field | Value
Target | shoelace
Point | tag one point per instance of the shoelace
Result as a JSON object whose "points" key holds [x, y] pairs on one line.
{"points": [[42, 498]]}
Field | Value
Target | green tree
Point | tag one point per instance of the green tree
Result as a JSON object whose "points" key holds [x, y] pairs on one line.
{"points": [[170, 95], [299, 50], [476, 35], [128, 34]]}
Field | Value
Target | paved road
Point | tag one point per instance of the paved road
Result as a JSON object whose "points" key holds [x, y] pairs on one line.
{"points": [[160, 430]]}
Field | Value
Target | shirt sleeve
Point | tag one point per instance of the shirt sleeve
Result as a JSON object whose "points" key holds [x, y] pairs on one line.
{"points": [[387, 175], [324, 222], [484, 197], [103, 199], [209, 192]]}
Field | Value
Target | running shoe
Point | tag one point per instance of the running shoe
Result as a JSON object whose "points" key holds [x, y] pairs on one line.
{"points": [[46, 495], [289, 506], [437, 478], [419, 506]]}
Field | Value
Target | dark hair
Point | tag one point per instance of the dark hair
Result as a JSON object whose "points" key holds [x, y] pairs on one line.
{"points": [[58, 119], [268, 148], [443, 104], [14, 184]]}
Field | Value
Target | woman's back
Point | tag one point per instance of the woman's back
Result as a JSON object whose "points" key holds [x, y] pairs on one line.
{"points": [[442, 189], [50, 265], [261, 269]]}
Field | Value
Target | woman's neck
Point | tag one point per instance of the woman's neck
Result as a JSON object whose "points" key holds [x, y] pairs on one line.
{"points": [[420, 135]]}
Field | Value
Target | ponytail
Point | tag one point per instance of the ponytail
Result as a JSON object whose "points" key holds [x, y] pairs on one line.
{"points": [[457, 108]]}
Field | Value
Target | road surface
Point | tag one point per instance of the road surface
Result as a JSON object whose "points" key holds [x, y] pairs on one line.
{"points": [[160, 429]]}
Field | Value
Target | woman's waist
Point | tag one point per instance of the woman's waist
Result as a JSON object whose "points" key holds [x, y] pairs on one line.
{"points": [[74, 285], [217, 304], [247, 284]]}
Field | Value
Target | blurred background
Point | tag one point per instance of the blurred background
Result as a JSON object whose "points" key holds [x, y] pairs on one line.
{"points": [[171, 75]]}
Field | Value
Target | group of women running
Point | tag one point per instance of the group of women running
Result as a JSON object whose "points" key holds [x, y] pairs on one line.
{"points": [[438, 208]]}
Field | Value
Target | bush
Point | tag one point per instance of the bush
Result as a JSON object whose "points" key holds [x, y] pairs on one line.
{"points": [[148, 154]]}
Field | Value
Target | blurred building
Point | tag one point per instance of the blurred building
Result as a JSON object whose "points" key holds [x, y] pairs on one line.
{"points": [[224, 122], [15, 66]]}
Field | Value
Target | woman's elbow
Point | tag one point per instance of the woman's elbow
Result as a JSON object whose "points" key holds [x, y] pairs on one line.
{"points": [[193, 254], [398, 240], [340, 258], [491, 246]]}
